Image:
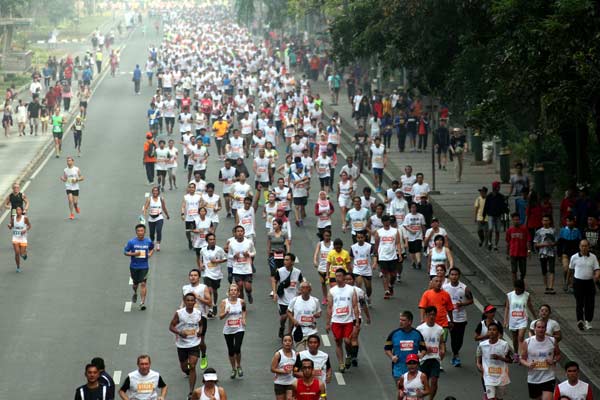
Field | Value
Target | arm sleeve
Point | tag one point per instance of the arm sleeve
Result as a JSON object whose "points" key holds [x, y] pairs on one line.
{"points": [[422, 345], [388, 342], [125, 385]]}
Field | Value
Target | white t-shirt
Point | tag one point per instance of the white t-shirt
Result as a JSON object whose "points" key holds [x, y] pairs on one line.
{"points": [[418, 190], [495, 372], [361, 259], [304, 311], [413, 226], [343, 311], [432, 335]]}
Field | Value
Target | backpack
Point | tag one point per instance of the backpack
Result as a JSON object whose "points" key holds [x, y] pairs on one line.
{"points": [[151, 149]]}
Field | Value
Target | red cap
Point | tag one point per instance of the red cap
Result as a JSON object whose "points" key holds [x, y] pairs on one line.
{"points": [[489, 308], [496, 184], [412, 357], [148, 135]]}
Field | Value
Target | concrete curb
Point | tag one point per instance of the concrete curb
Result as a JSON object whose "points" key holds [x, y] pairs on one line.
{"points": [[481, 271]]}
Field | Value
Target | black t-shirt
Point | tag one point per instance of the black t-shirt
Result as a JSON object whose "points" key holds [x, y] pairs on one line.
{"points": [[34, 109], [91, 394]]}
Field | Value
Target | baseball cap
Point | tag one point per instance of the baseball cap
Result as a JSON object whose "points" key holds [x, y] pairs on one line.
{"points": [[148, 135], [412, 358], [483, 189], [299, 166], [495, 184], [489, 308]]}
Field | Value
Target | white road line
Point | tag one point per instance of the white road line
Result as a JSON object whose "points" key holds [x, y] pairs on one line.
{"points": [[26, 185], [478, 304], [325, 340], [127, 307], [340, 378], [122, 339], [37, 171], [130, 281], [117, 377]]}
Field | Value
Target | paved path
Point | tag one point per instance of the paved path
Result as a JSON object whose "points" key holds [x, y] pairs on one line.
{"points": [[68, 304], [490, 270]]}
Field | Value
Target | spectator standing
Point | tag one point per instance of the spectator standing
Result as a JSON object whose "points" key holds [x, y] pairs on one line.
{"points": [[480, 219], [584, 269]]}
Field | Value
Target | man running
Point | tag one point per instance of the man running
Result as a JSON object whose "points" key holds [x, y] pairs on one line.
{"points": [[71, 177], [388, 254], [322, 366], [342, 317], [435, 339], [308, 387], [203, 302], [188, 329], [211, 258], [303, 312], [189, 211], [92, 390], [140, 249], [493, 357], [573, 387], [402, 342], [461, 297], [414, 226], [143, 383], [241, 250], [285, 285], [361, 254]]}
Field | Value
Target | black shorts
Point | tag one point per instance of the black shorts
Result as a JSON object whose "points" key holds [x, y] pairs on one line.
{"points": [[300, 201], [83, 104], [389, 266], [265, 185], [536, 389], [57, 135], [324, 181], [242, 278], [282, 309], [161, 172], [170, 121], [138, 275], [184, 353], [190, 225], [368, 278], [212, 283], [323, 276], [281, 389], [416, 246], [431, 368], [443, 149], [73, 192]]}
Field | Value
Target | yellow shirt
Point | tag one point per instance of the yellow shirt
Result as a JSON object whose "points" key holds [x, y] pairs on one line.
{"points": [[220, 128], [479, 204], [337, 260]]}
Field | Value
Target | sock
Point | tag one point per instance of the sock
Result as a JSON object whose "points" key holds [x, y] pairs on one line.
{"points": [[355, 351]]}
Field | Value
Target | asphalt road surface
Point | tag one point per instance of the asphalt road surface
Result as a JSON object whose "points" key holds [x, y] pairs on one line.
{"points": [[68, 304]]}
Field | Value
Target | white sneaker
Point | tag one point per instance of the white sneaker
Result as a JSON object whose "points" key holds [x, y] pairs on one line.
{"points": [[587, 325]]}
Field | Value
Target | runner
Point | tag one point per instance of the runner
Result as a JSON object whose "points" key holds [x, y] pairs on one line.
{"points": [[239, 191], [172, 164], [303, 312], [338, 258], [361, 254], [188, 329], [435, 338], [344, 195], [233, 310], [285, 285], [143, 383], [17, 199], [140, 249], [439, 255], [461, 297], [71, 177], [300, 186], [413, 384], [189, 211], [211, 257], [414, 226], [403, 342], [104, 378], [308, 387], [163, 159], [362, 307], [481, 331], [323, 210], [539, 354], [358, 218], [155, 206], [324, 164], [342, 317], [493, 357], [573, 388], [204, 303], [241, 251], [408, 180], [282, 365], [92, 390], [246, 217], [209, 390], [398, 207], [389, 244], [321, 365], [515, 314], [77, 132], [284, 195], [227, 177], [19, 225], [58, 124], [378, 159], [278, 244], [552, 327]]}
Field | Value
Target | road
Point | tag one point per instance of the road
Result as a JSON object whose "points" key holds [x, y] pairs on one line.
{"points": [[68, 304]]}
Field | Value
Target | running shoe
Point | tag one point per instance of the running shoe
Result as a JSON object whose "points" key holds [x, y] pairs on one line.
{"points": [[18, 269], [134, 298], [457, 362], [240, 372], [77, 210], [342, 368], [386, 296], [391, 290], [354, 362], [204, 362], [587, 325], [453, 362], [233, 373], [250, 298], [142, 306], [580, 325], [280, 332], [324, 301], [157, 246], [71, 216], [271, 294], [348, 362], [24, 256]]}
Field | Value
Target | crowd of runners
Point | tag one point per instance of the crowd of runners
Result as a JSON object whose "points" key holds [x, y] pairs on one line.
{"points": [[222, 95]]}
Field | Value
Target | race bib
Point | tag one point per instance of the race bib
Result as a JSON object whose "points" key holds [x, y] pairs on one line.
{"points": [[147, 387], [407, 345], [261, 170], [362, 262], [342, 310], [278, 256], [234, 323], [307, 319], [358, 225], [142, 254], [541, 365], [495, 371], [288, 368], [518, 313], [189, 332], [387, 239], [246, 221], [432, 349]]}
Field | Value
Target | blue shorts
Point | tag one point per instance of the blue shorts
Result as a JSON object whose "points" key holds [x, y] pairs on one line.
{"points": [[378, 171]]}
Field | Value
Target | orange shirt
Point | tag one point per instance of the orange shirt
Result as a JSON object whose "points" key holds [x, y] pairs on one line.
{"points": [[220, 128], [146, 148], [440, 300]]}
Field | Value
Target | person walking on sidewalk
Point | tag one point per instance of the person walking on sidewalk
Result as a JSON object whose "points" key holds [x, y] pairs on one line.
{"points": [[585, 271], [149, 158], [495, 205], [518, 181], [568, 243], [518, 247], [458, 146], [545, 244], [441, 141], [480, 220]]}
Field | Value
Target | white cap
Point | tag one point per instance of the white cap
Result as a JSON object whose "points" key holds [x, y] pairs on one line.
{"points": [[210, 377]]}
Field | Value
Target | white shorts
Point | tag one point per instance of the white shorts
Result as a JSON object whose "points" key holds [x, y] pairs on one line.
{"points": [[495, 392], [345, 201]]}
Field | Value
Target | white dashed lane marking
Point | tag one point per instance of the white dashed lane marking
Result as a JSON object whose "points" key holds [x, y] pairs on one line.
{"points": [[117, 377], [122, 339], [340, 378], [325, 340], [127, 307]]}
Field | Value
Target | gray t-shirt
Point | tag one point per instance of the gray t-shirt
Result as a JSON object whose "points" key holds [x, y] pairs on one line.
{"points": [[545, 236]]}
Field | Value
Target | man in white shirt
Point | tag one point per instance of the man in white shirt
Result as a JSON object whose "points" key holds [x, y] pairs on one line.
{"points": [[419, 188]]}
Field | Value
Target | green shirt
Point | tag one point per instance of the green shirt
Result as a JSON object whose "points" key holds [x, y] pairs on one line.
{"points": [[57, 124]]}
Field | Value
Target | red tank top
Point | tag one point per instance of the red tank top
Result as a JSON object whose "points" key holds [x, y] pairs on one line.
{"points": [[308, 392]]}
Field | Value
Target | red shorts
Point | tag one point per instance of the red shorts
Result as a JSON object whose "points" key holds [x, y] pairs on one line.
{"points": [[342, 330]]}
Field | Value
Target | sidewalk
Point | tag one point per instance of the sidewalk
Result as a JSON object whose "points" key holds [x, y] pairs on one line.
{"points": [[20, 154], [454, 207]]}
